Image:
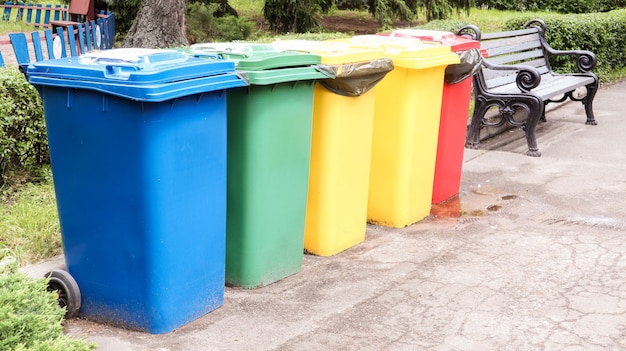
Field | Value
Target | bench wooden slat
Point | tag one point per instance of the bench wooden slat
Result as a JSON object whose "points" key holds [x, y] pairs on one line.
{"points": [[81, 38], [20, 47], [38, 13], [71, 38], [513, 33], [37, 46], [6, 14], [29, 13], [518, 58], [61, 38], [513, 48], [88, 36], [532, 38], [20, 12], [94, 33], [49, 43]]}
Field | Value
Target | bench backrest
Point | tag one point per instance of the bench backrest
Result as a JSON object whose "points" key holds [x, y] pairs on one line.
{"points": [[70, 41], [81, 8], [37, 14], [523, 47]]}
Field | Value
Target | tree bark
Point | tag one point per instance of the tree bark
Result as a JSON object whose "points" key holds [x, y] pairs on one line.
{"points": [[159, 24]]}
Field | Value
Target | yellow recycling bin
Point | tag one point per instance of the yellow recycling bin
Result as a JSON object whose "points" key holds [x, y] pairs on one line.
{"points": [[406, 127], [341, 144]]}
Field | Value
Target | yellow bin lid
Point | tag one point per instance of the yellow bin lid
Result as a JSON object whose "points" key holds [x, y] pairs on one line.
{"points": [[406, 52], [331, 52]]}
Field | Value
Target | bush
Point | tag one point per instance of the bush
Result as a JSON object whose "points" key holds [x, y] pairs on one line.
{"points": [[562, 6], [23, 140], [30, 317], [204, 26]]}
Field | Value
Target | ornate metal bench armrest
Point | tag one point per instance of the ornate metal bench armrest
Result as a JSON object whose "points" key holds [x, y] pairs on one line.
{"points": [[528, 77], [585, 60]]}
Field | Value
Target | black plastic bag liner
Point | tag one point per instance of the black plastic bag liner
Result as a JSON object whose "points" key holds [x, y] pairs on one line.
{"points": [[470, 64], [356, 78]]}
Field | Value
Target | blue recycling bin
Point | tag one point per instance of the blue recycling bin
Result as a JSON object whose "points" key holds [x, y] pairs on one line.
{"points": [[138, 152]]}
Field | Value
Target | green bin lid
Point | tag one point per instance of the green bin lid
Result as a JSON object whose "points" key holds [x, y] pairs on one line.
{"points": [[264, 64]]}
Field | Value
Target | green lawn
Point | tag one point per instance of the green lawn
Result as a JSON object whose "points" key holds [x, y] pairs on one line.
{"points": [[29, 225]]}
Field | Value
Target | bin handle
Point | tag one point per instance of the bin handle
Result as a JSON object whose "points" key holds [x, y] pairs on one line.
{"points": [[120, 70], [208, 56]]}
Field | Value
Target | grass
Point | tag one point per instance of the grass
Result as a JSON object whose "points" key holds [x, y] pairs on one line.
{"points": [[491, 20], [247, 8], [7, 27], [29, 225]]}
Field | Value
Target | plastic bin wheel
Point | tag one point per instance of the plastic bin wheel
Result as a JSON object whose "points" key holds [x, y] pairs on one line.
{"points": [[66, 289]]}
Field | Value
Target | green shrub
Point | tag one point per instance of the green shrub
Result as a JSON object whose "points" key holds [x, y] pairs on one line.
{"points": [[30, 317], [204, 26], [562, 6], [451, 25], [23, 140]]}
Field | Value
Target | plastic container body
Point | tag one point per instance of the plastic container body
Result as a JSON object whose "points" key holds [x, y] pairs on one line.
{"points": [[141, 192], [341, 145], [269, 141], [406, 126], [454, 115], [269, 145], [451, 142]]}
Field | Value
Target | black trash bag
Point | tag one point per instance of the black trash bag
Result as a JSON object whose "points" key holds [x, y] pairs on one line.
{"points": [[355, 79], [470, 64]]}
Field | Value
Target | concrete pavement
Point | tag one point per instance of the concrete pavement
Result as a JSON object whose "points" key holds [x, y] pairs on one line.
{"points": [[531, 256]]}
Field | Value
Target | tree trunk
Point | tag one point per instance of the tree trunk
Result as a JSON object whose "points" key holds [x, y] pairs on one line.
{"points": [[159, 24]]}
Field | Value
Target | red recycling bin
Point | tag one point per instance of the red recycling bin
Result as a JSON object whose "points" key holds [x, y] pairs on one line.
{"points": [[453, 119]]}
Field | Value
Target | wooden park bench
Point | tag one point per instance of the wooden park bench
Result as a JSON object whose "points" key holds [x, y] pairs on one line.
{"points": [[67, 41], [516, 75]]}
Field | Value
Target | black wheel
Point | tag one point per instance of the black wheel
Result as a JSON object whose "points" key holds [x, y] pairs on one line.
{"points": [[64, 286]]}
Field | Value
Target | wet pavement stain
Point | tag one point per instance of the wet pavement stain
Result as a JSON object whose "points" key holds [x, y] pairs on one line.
{"points": [[450, 208], [494, 208]]}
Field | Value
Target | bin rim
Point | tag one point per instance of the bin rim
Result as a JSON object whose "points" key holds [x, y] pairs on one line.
{"points": [[331, 52], [408, 52], [254, 56]]}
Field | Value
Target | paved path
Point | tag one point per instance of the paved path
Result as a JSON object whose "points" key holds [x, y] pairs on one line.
{"points": [[532, 256]]}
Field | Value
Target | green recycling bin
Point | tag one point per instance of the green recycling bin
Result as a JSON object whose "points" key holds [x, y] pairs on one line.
{"points": [[269, 140]]}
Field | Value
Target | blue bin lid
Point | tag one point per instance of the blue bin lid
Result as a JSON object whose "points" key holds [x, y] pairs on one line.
{"points": [[139, 74]]}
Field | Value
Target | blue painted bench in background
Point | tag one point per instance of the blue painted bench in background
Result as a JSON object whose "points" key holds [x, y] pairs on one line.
{"points": [[67, 41]]}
